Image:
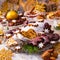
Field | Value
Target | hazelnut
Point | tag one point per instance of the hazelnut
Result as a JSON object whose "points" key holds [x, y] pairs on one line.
{"points": [[55, 54], [45, 55], [52, 58]]}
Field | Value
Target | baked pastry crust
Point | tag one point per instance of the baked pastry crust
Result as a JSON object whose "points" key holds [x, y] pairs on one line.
{"points": [[11, 42]]}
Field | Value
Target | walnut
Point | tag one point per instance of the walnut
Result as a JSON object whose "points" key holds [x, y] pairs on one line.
{"points": [[29, 34], [5, 54]]}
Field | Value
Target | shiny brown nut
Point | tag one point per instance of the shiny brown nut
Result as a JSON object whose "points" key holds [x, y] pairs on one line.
{"points": [[45, 55], [52, 58], [46, 58], [54, 54]]}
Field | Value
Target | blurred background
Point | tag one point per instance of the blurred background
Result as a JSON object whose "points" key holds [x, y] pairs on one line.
{"points": [[25, 5]]}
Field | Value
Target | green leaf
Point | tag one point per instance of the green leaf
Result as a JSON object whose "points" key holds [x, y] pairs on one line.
{"points": [[30, 49]]}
